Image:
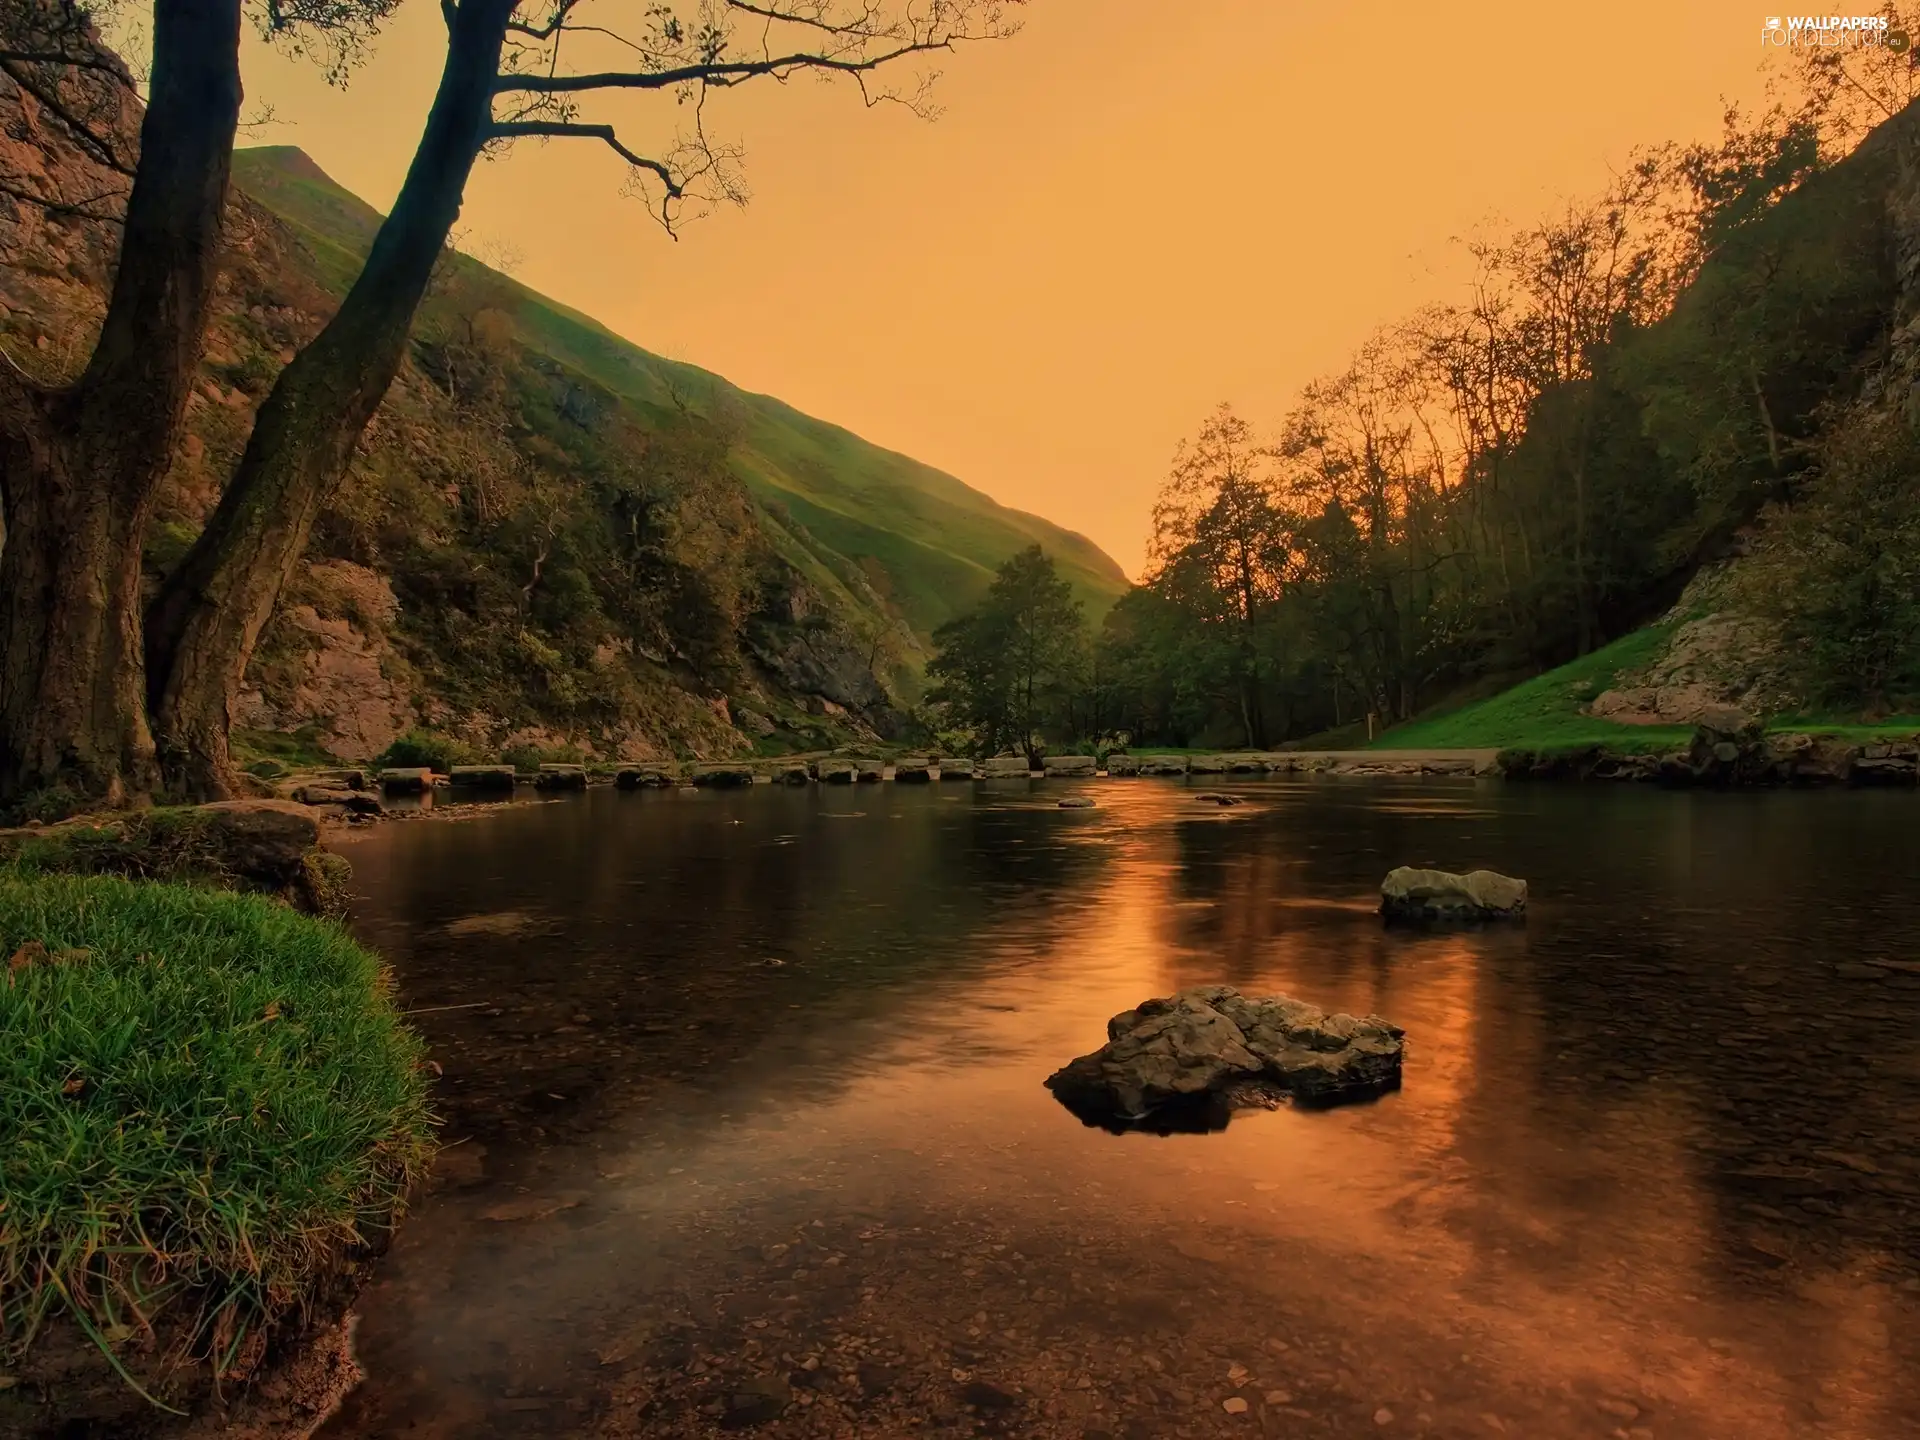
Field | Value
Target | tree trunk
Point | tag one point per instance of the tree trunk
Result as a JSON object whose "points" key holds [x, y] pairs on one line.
{"points": [[79, 467], [202, 628]]}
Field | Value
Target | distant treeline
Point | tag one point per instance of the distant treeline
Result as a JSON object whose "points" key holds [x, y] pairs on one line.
{"points": [[1503, 483]]}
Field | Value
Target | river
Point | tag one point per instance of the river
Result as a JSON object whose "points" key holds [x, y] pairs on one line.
{"points": [[747, 1130]]}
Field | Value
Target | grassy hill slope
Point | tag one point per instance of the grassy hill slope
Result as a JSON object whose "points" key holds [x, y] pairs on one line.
{"points": [[835, 503]]}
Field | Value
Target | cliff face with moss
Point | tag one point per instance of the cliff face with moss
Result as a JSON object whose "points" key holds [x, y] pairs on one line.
{"points": [[549, 538]]}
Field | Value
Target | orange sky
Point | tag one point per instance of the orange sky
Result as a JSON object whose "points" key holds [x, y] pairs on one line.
{"points": [[1129, 213]]}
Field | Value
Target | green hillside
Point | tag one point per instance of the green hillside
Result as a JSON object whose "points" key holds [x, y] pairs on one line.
{"points": [[835, 504]]}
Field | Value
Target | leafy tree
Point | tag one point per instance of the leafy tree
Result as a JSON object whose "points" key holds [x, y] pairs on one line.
{"points": [[1011, 668], [1840, 572], [1223, 548]]}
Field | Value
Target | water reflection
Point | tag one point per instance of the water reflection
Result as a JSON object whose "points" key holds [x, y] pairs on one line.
{"points": [[755, 1081]]}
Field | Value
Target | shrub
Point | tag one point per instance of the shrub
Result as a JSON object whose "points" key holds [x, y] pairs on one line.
{"points": [[206, 1103], [422, 747]]}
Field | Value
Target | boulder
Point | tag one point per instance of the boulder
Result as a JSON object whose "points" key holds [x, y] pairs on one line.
{"points": [[1246, 764], [1728, 721], [1206, 764], [1409, 894], [1189, 1060], [556, 776], [913, 770], [1006, 767], [792, 773], [1120, 765], [482, 777], [352, 802], [1079, 766], [956, 769], [406, 780], [644, 777], [1879, 765], [723, 777], [835, 772], [869, 772], [266, 841], [1076, 802], [348, 776]]}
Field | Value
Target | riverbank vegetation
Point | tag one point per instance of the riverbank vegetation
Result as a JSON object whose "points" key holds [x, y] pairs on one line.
{"points": [[209, 1110], [1702, 362]]}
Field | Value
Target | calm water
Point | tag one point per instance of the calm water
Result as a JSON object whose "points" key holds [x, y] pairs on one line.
{"points": [[751, 1132]]}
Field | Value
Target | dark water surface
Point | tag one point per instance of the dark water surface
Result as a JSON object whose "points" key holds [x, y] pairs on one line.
{"points": [[752, 1137]]}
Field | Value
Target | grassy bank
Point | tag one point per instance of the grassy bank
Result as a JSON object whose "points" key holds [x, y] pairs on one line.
{"points": [[1544, 713], [207, 1104]]}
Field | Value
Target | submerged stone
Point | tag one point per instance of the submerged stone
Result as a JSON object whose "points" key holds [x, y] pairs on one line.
{"points": [[1410, 894], [1187, 1061]]}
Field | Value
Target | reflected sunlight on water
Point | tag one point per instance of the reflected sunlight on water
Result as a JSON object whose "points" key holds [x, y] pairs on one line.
{"points": [[1605, 1202]]}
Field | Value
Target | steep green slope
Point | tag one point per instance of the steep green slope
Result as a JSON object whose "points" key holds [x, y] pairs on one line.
{"points": [[837, 505]]}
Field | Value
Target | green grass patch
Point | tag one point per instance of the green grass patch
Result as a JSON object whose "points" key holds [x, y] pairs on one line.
{"points": [[207, 1104], [291, 749], [1894, 727], [1544, 713]]}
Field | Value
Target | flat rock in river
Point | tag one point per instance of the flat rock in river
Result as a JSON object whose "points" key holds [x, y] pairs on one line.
{"points": [[1410, 894], [1188, 1060]]}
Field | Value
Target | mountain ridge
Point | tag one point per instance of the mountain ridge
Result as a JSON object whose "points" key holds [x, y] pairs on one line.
{"points": [[935, 538]]}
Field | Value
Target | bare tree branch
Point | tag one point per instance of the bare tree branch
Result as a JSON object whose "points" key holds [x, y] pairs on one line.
{"points": [[694, 49], [555, 130]]}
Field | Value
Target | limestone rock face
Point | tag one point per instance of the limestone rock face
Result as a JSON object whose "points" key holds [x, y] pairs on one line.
{"points": [[1198, 1055], [1409, 894]]}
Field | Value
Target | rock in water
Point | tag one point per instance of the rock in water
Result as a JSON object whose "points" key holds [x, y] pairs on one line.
{"points": [[1187, 1061], [1409, 894]]}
